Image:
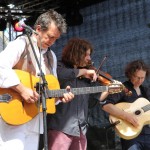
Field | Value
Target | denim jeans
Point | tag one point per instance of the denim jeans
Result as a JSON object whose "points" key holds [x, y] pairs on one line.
{"points": [[142, 142]]}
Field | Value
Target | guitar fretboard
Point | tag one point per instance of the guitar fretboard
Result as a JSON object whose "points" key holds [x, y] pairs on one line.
{"points": [[77, 91], [146, 108]]}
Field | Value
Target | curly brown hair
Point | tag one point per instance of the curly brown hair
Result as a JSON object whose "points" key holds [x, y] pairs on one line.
{"points": [[133, 66], [75, 51]]}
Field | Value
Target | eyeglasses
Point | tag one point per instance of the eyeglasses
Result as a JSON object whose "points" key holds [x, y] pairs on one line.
{"points": [[139, 78]]}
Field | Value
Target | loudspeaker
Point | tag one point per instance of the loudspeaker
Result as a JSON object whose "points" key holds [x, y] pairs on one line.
{"points": [[3, 24]]}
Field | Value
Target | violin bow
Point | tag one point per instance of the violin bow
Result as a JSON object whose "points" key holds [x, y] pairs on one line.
{"points": [[101, 73], [102, 62]]}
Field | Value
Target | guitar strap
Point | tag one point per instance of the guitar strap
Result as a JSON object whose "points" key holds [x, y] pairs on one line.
{"points": [[50, 62]]}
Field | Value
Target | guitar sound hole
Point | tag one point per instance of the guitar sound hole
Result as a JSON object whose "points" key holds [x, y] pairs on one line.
{"points": [[137, 112]]}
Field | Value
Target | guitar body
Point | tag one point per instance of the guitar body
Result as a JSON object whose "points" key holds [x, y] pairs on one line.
{"points": [[126, 130], [17, 111]]}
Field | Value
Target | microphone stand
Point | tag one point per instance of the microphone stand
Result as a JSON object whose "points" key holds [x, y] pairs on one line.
{"points": [[43, 87]]}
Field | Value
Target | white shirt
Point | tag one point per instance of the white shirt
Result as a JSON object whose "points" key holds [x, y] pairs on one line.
{"points": [[8, 59]]}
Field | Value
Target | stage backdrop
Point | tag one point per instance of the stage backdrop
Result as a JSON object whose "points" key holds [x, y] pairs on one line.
{"points": [[117, 29]]}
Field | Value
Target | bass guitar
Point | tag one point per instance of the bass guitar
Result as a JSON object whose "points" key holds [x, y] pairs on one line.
{"points": [[140, 108], [14, 110]]}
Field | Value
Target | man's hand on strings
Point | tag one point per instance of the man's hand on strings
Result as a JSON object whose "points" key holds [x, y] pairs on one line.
{"points": [[68, 96]]}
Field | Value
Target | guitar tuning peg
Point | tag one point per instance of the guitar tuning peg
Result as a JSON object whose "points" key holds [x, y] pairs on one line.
{"points": [[128, 93]]}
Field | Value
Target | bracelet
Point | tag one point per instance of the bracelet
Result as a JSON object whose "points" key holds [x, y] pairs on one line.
{"points": [[102, 102]]}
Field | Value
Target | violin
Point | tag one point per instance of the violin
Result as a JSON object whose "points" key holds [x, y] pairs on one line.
{"points": [[106, 79], [103, 77]]}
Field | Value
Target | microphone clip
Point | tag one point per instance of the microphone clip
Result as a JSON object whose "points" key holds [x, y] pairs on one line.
{"points": [[21, 25]]}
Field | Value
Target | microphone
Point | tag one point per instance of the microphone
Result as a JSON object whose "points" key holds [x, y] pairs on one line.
{"points": [[20, 26]]}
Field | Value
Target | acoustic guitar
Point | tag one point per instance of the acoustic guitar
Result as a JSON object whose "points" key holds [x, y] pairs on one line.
{"points": [[14, 110], [140, 108]]}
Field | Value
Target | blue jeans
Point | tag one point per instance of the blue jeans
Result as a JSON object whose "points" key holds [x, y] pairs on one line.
{"points": [[142, 142]]}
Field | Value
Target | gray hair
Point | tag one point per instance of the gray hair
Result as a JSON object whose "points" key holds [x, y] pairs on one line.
{"points": [[45, 19]]}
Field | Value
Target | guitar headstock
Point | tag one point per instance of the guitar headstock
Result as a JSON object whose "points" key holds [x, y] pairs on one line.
{"points": [[115, 88]]}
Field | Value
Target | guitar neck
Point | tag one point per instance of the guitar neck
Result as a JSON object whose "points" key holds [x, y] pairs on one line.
{"points": [[77, 91], [146, 108]]}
